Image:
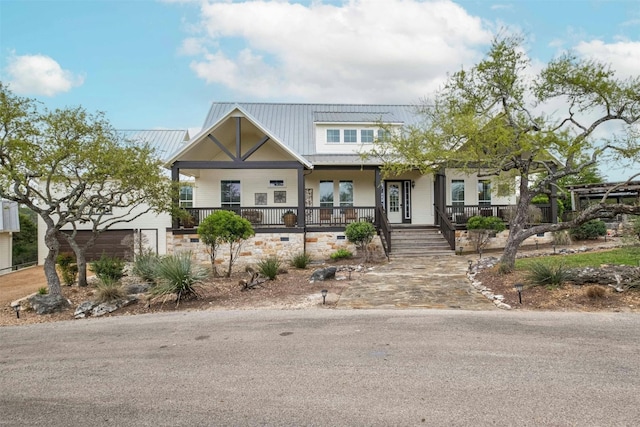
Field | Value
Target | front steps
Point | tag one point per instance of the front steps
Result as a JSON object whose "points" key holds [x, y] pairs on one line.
{"points": [[418, 241]]}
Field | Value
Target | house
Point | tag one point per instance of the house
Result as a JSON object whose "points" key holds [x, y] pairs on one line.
{"points": [[296, 173], [9, 224], [264, 160]]}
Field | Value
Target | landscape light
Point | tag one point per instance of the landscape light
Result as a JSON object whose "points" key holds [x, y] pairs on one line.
{"points": [[519, 287], [324, 296], [17, 309]]}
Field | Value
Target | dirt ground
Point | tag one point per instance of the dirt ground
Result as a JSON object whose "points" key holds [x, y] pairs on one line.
{"points": [[291, 290]]}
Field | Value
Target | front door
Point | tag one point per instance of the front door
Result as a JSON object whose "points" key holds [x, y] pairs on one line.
{"points": [[394, 201]]}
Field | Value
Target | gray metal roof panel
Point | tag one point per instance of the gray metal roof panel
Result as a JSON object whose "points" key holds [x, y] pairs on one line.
{"points": [[164, 142], [293, 124]]}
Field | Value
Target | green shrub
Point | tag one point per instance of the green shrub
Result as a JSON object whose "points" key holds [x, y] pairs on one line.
{"points": [[361, 233], [43, 290], [269, 267], [301, 260], [224, 227], [108, 268], [109, 290], [547, 274], [68, 268], [145, 266], [482, 228], [177, 275], [589, 230], [341, 254]]}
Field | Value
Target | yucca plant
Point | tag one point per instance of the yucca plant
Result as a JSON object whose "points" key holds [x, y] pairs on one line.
{"points": [[301, 260], [177, 275], [546, 274], [269, 267], [146, 265]]}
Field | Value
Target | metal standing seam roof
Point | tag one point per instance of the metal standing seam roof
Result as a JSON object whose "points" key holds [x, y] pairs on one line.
{"points": [[294, 124], [165, 142]]}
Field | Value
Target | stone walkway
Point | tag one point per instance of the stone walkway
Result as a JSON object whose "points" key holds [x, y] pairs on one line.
{"points": [[429, 282]]}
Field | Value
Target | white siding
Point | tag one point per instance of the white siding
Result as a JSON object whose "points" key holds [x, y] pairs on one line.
{"points": [[5, 252], [207, 192], [471, 189]]}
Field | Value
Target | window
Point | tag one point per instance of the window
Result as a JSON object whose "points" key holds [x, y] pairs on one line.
{"points": [[229, 194], [346, 193], [457, 192], [350, 135], [366, 136], [186, 196], [326, 193], [484, 192], [333, 135], [383, 135]]}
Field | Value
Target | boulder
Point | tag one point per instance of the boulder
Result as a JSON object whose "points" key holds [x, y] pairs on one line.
{"points": [[137, 288], [84, 309], [611, 274], [323, 274], [110, 307], [46, 304]]}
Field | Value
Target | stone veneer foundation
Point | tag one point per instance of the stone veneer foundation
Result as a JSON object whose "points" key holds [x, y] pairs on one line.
{"points": [[319, 246]]}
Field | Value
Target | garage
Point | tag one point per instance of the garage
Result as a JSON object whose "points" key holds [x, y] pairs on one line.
{"points": [[114, 243]]}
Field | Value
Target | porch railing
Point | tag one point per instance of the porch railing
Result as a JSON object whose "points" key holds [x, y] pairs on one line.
{"points": [[385, 230], [447, 228], [272, 217], [460, 214]]}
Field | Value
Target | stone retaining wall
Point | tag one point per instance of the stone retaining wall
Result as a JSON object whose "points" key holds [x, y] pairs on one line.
{"points": [[498, 242], [319, 245]]}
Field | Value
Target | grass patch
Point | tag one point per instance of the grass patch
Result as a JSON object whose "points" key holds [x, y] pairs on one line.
{"points": [[620, 256]]}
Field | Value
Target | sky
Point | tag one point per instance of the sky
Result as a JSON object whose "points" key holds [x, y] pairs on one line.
{"points": [[159, 64]]}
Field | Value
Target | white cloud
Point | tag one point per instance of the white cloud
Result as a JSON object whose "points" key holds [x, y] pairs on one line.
{"points": [[624, 56], [39, 75], [360, 51]]}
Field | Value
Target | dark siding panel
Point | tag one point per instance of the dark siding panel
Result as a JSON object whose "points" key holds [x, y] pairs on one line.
{"points": [[109, 243]]}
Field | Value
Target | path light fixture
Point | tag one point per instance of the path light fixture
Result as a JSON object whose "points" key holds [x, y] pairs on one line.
{"points": [[519, 287], [536, 244], [470, 264], [17, 309], [554, 247], [324, 296]]}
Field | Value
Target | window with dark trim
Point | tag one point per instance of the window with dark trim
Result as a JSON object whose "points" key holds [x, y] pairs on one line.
{"points": [[229, 194]]}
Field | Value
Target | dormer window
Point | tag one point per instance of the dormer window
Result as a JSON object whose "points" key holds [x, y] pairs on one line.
{"points": [[366, 136], [333, 135], [350, 135]]}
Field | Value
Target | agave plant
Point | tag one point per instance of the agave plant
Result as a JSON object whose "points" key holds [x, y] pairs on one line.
{"points": [[177, 275]]}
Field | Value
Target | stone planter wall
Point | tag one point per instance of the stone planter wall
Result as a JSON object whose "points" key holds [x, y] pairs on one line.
{"points": [[498, 242], [319, 246]]}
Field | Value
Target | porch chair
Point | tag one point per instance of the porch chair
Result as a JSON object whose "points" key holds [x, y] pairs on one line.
{"points": [[350, 215], [325, 215]]}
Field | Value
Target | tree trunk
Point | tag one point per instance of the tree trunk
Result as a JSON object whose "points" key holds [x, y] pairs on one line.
{"points": [[81, 261], [53, 281]]}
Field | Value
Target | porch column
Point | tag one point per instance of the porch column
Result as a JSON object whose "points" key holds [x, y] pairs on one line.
{"points": [[301, 209], [378, 196], [175, 198]]}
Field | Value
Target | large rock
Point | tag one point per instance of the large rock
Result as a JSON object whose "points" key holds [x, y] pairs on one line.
{"points": [[605, 275], [323, 274], [46, 304], [137, 288], [110, 307]]}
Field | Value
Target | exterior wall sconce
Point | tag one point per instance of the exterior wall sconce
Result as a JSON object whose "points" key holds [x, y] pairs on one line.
{"points": [[324, 296], [413, 184]]}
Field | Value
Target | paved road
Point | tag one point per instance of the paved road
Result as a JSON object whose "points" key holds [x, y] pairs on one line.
{"points": [[324, 367]]}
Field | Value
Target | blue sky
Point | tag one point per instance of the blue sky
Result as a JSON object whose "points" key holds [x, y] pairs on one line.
{"points": [[159, 64]]}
